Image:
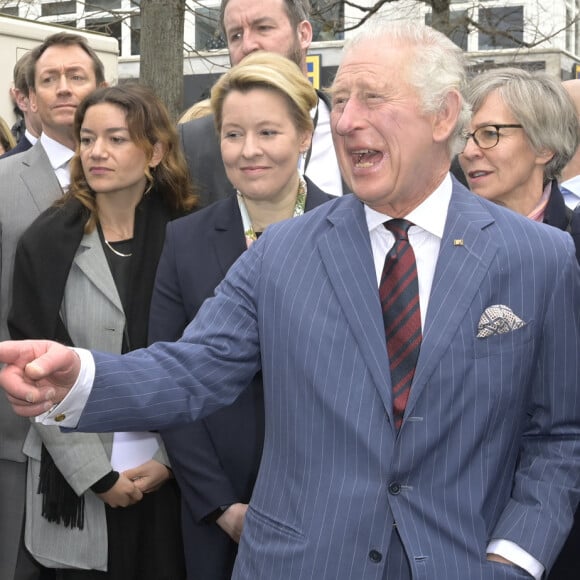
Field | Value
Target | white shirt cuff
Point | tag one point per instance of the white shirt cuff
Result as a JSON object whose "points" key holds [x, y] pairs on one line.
{"points": [[67, 413], [512, 552]]}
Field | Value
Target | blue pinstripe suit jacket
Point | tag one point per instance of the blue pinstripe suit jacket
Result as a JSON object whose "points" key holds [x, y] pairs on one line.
{"points": [[490, 444]]}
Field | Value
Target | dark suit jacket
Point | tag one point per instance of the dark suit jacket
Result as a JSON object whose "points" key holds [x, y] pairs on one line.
{"points": [[23, 145], [214, 460], [559, 216], [200, 144]]}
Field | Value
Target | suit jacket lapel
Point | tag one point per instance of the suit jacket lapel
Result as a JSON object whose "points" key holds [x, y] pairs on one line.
{"points": [[227, 238], [464, 258], [39, 177], [347, 256], [92, 261]]}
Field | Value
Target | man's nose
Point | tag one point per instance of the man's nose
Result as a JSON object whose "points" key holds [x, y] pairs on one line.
{"points": [[250, 43]]}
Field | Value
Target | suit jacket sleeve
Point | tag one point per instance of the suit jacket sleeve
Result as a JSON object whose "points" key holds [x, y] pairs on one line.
{"points": [[167, 315], [193, 457], [174, 383], [547, 480], [80, 457], [204, 484]]}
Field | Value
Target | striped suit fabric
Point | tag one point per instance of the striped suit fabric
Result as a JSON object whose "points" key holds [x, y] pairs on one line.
{"points": [[489, 446]]}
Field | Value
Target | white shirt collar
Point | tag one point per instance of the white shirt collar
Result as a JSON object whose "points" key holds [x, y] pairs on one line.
{"points": [[57, 153], [31, 138], [430, 215]]}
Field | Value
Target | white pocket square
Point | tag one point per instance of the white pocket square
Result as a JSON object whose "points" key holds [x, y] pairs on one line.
{"points": [[498, 319]]}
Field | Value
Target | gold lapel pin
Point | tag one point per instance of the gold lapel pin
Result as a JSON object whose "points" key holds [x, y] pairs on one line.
{"points": [[458, 242]]}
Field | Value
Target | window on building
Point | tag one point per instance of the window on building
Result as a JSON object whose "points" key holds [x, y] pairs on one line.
{"points": [[100, 5], [110, 26], [570, 45], [577, 27], [502, 27], [9, 10], [458, 29], [327, 18], [136, 34], [57, 8], [208, 34]]}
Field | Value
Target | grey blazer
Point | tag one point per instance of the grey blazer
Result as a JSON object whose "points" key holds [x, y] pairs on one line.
{"points": [[93, 315], [28, 186]]}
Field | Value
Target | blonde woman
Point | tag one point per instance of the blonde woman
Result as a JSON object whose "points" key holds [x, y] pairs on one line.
{"points": [[262, 114]]}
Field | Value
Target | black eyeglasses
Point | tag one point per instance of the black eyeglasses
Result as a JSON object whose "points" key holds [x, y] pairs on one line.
{"points": [[487, 137]]}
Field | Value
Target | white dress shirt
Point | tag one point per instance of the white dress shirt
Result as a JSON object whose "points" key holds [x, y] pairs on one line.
{"points": [[322, 167], [59, 157], [572, 196], [31, 138], [425, 238]]}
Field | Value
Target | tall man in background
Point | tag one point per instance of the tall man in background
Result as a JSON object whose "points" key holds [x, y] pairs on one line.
{"points": [[60, 73], [570, 180], [20, 94], [280, 26], [419, 348]]}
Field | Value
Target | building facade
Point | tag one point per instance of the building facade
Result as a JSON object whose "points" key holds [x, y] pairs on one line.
{"points": [[539, 34]]}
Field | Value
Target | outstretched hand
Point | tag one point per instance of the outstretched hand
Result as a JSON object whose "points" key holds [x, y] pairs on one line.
{"points": [[37, 374]]}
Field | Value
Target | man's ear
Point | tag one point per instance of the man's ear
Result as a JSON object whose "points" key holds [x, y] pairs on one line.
{"points": [[445, 120], [305, 34], [32, 99], [21, 100]]}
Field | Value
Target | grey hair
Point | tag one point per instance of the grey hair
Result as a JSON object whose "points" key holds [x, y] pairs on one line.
{"points": [[437, 68], [297, 11], [540, 104]]}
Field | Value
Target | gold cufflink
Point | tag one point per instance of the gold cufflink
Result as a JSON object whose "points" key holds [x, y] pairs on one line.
{"points": [[458, 242], [60, 417]]}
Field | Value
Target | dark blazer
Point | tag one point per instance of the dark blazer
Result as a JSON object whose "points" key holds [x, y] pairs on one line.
{"points": [[201, 146], [558, 215], [563, 218], [23, 145], [215, 460], [489, 446]]}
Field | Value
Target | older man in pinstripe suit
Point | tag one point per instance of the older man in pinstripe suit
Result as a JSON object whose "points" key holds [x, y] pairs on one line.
{"points": [[477, 475]]}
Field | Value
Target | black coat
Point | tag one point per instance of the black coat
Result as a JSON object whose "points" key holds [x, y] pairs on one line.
{"points": [[215, 460]]}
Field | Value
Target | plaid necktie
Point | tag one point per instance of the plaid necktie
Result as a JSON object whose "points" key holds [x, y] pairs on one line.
{"points": [[399, 295]]}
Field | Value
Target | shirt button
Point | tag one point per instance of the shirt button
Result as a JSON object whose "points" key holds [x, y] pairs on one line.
{"points": [[60, 417], [394, 488], [375, 556]]}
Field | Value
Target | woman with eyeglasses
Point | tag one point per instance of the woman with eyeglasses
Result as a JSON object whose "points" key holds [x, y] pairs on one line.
{"points": [[524, 130]]}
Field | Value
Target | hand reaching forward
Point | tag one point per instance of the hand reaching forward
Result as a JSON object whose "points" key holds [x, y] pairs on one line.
{"points": [[37, 375]]}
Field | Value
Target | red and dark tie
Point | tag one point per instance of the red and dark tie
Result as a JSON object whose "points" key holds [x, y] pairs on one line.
{"points": [[399, 294]]}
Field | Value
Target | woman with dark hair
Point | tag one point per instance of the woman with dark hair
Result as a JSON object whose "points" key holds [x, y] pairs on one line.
{"points": [[99, 247]]}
